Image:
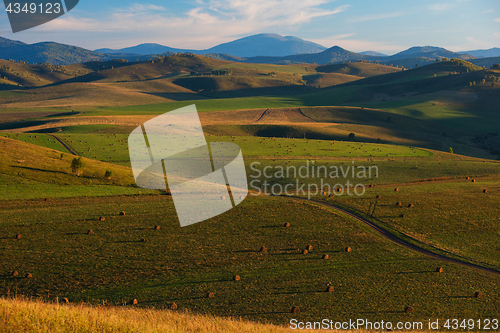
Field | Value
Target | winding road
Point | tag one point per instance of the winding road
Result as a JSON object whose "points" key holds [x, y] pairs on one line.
{"points": [[393, 238]]}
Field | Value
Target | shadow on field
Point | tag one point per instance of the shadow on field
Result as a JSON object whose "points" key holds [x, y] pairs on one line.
{"points": [[36, 169]]}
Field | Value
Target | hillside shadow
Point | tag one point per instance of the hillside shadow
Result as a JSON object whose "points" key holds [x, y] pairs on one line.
{"points": [[36, 169], [23, 124]]}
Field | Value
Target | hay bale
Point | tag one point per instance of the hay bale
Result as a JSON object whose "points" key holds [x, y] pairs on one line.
{"points": [[371, 185], [236, 278], [410, 206], [440, 270], [478, 294], [309, 247], [143, 239], [485, 191], [263, 249], [65, 300], [325, 256], [295, 309], [396, 189], [122, 213], [379, 196], [47, 199], [172, 306], [401, 215], [408, 309], [223, 197], [330, 196], [29, 276], [286, 225], [157, 227], [467, 178], [102, 218], [473, 180], [15, 273], [348, 249], [133, 302], [305, 251], [330, 289], [19, 236], [210, 295], [398, 203], [90, 232]]}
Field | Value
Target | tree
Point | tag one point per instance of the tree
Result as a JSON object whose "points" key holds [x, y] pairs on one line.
{"points": [[352, 136], [450, 150], [108, 174], [77, 165]]}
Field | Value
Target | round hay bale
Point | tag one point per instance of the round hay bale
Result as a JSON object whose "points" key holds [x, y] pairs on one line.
{"points": [[122, 213], [304, 251], [478, 294], [309, 247], [133, 302], [286, 225], [408, 309], [398, 203], [473, 180], [396, 189], [172, 306], [157, 227], [348, 249], [210, 295], [401, 215], [142, 239], [379, 196], [410, 206], [29, 276], [19, 236], [102, 218], [47, 199], [15, 273], [223, 197], [440, 270], [324, 193], [263, 249], [236, 278], [325, 256], [467, 178], [90, 232], [295, 309], [485, 191], [65, 300], [330, 289]]}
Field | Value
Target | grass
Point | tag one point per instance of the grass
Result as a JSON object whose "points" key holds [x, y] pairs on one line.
{"points": [[178, 264], [28, 316]]}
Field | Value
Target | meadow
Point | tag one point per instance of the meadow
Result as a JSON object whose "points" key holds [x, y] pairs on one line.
{"points": [[402, 122]]}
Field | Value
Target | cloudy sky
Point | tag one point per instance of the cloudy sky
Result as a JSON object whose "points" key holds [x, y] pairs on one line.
{"points": [[386, 26]]}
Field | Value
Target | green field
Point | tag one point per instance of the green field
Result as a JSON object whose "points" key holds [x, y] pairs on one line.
{"points": [[178, 264]]}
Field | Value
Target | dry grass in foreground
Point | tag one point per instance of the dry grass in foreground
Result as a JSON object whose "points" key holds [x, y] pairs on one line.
{"points": [[21, 315]]}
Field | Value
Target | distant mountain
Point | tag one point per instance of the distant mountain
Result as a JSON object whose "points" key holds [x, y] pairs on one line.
{"points": [[47, 52], [486, 62], [373, 53], [266, 45], [431, 52], [252, 46], [493, 52], [143, 49]]}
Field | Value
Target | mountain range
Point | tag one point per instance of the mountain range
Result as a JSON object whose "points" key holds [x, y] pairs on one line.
{"points": [[262, 48]]}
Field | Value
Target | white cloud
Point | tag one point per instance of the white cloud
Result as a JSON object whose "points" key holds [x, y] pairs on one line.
{"points": [[497, 20], [377, 16], [211, 22], [488, 11], [440, 6]]}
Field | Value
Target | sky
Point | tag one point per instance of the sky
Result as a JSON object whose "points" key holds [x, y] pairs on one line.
{"points": [[387, 26]]}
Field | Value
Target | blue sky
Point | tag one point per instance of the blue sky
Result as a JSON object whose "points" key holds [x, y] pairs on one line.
{"points": [[387, 26]]}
